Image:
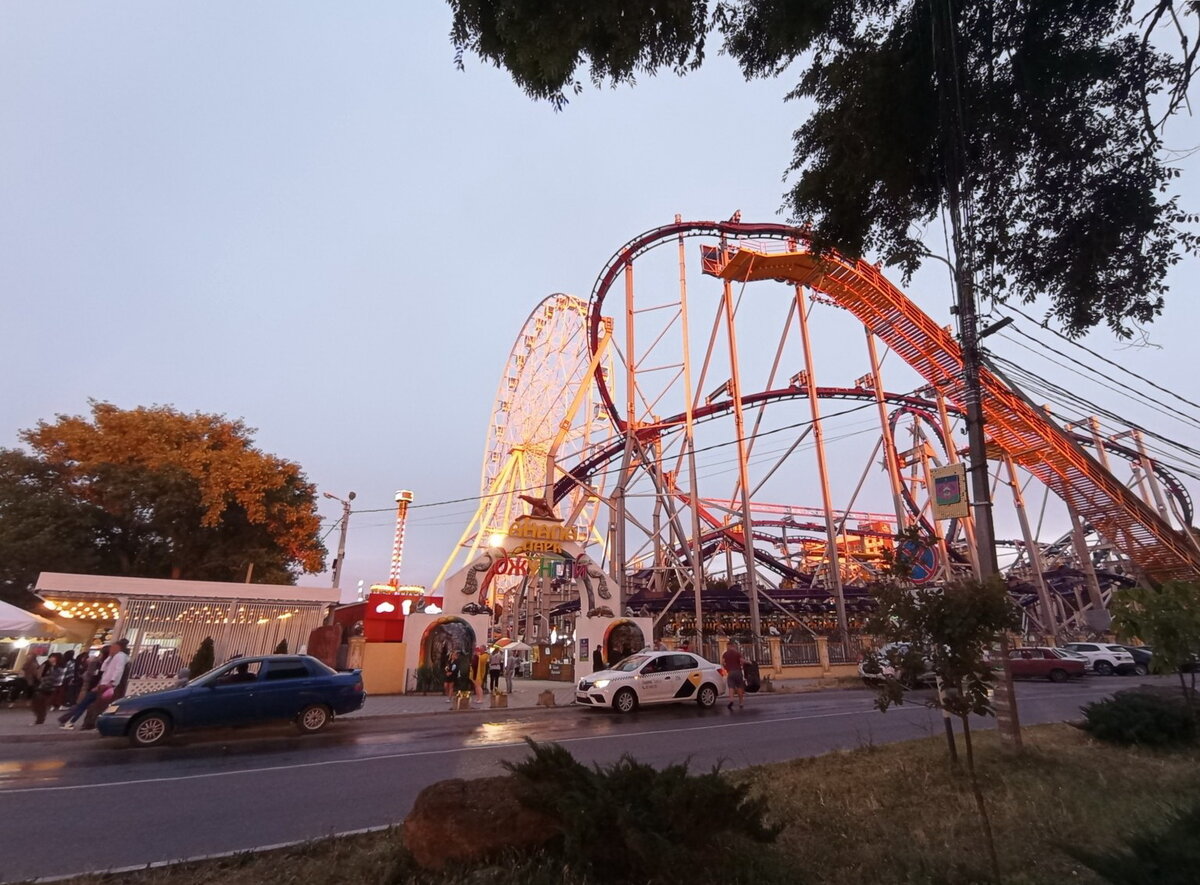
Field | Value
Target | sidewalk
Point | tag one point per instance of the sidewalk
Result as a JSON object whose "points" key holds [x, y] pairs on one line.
{"points": [[16, 723]]}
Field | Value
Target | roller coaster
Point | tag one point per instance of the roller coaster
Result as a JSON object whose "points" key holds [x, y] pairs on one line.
{"points": [[624, 439]]}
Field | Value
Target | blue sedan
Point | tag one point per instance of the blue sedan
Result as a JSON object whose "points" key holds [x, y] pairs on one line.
{"points": [[245, 691]]}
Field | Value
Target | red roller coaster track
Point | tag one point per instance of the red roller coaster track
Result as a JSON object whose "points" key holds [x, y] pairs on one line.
{"points": [[1015, 426]]}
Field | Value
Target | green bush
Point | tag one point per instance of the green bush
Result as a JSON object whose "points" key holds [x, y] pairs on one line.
{"points": [[202, 660], [628, 822], [1140, 717], [1164, 856]]}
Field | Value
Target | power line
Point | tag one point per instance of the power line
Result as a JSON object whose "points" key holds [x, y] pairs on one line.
{"points": [[1102, 358], [709, 448]]}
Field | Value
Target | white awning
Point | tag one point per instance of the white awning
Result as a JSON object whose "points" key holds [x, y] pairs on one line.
{"points": [[50, 583], [16, 623]]}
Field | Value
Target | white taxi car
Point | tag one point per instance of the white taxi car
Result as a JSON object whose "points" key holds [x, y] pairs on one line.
{"points": [[653, 677]]}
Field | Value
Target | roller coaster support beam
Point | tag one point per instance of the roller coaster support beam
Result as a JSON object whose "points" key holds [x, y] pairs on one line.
{"points": [[690, 442], [1147, 468], [739, 424], [1035, 552], [889, 444], [831, 533]]}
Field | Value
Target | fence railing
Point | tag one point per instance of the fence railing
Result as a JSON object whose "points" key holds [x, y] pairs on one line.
{"points": [[844, 652], [795, 654]]}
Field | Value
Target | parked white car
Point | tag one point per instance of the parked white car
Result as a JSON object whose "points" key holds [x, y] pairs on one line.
{"points": [[653, 677], [1104, 658]]}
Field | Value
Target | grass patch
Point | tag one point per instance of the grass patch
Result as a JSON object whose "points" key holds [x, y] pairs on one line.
{"points": [[881, 814]]}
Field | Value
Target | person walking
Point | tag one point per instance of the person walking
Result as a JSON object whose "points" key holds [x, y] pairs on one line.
{"points": [[73, 665], [494, 667], [58, 697], [49, 678], [510, 667], [112, 679], [463, 683], [735, 677], [87, 689]]}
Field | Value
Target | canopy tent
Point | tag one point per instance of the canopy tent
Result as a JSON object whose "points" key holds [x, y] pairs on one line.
{"points": [[17, 623]]}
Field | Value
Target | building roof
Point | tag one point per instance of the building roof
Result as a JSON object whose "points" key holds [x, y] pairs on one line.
{"points": [[106, 585]]}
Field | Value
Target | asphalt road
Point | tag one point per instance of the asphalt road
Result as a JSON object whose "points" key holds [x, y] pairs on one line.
{"points": [[241, 790]]}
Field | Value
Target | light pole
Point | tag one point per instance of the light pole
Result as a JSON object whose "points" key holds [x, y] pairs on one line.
{"points": [[341, 554]]}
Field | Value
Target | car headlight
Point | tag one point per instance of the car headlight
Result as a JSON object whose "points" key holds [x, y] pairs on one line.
{"points": [[602, 683], [112, 708]]}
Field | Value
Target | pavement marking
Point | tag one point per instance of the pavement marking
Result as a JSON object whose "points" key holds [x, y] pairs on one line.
{"points": [[467, 749], [419, 753]]}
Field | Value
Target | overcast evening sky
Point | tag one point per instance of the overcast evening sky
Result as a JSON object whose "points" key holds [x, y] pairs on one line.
{"points": [[302, 214]]}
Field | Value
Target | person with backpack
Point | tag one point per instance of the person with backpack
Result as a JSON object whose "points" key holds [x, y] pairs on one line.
{"points": [[732, 662]]}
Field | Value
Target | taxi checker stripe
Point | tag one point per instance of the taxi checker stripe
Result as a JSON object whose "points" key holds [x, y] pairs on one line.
{"points": [[690, 685]]}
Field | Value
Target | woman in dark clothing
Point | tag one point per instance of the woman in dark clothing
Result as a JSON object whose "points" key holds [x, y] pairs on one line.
{"points": [[463, 686], [49, 678]]}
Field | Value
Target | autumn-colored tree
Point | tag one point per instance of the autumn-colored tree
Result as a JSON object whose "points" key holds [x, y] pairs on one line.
{"points": [[153, 492]]}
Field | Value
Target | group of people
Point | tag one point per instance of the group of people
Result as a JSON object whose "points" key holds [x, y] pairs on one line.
{"points": [[80, 685], [465, 675]]}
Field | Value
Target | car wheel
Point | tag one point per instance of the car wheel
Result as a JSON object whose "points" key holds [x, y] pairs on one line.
{"points": [[150, 730], [707, 696], [625, 701], [1104, 668], [1057, 675], [1141, 670], [313, 718]]}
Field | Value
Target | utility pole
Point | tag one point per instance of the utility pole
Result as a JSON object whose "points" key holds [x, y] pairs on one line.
{"points": [[341, 553], [950, 63]]}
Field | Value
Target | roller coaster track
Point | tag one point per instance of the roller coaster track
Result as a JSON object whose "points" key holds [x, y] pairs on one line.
{"points": [[1014, 424]]}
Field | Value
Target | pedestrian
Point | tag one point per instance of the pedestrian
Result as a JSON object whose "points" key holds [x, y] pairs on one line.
{"points": [[73, 678], [49, 679], [463, 683], [123, 684], [735, 678], [597, 660], [31, 672], [112, 679], [479, 668], [510, 667], [494, 667], [88, 689], [58, 698]]}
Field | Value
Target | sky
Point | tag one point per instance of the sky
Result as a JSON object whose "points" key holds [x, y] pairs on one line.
{"points": [[303, 215]]}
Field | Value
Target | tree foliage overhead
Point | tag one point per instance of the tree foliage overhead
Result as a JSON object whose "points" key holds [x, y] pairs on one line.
{"points": [[153, 492], [1043, 118]]}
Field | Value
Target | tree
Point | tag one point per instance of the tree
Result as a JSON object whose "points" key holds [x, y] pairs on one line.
{"points": [[1167, 618], [153, 492], [947, 630], [1036, 123], [203, 659]]}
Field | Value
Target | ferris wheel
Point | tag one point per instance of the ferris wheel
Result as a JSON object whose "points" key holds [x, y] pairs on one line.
{"points": [[546, 405]]}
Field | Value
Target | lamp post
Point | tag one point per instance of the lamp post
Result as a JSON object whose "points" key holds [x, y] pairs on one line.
{"points": [[341, 554]]}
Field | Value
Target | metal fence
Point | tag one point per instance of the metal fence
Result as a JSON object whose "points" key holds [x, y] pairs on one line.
{"points": [[844, 652], [795, 654]]}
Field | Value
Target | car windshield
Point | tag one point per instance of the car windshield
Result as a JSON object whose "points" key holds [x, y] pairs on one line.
{"points": [[631, 663]]}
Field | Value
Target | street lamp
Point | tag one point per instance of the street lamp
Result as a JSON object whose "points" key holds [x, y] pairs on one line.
{"points": [[341, 554]]}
